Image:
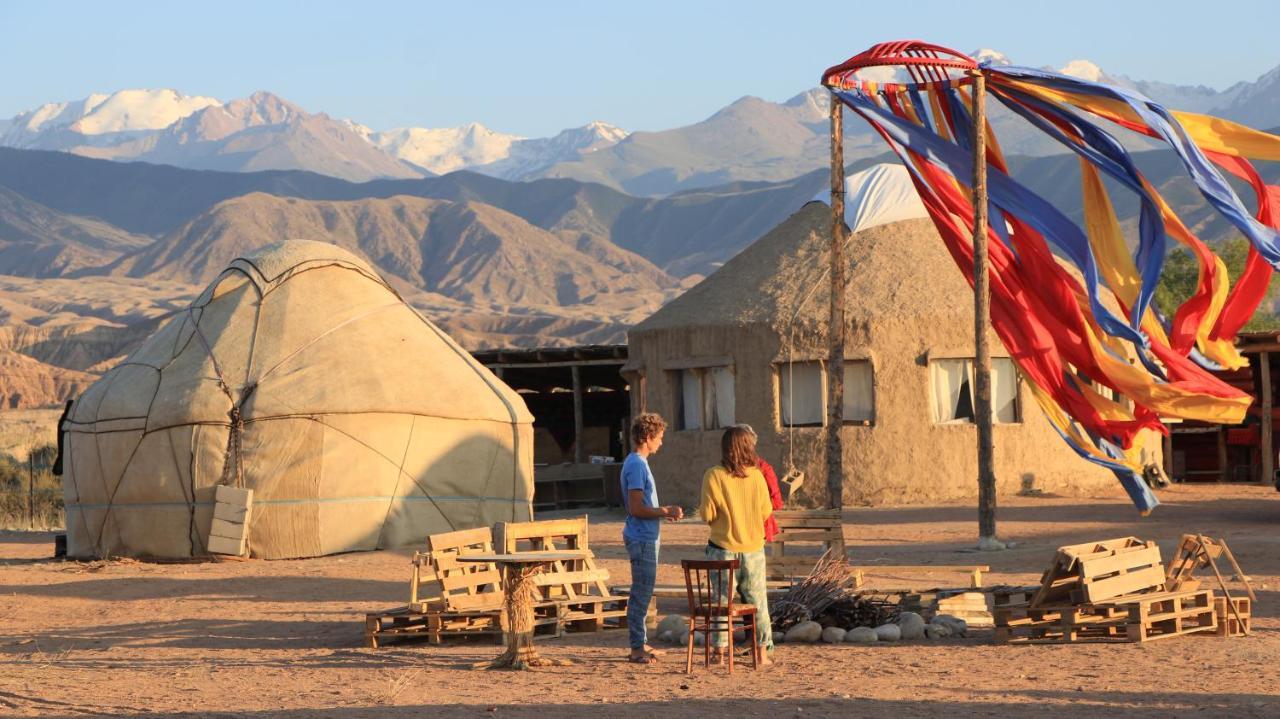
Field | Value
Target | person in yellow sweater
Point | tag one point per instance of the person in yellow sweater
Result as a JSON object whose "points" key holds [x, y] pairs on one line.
{"points": [[735, 503]]}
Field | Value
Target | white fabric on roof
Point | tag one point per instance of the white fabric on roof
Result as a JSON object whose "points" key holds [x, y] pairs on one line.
{"points": [[877, 196]]}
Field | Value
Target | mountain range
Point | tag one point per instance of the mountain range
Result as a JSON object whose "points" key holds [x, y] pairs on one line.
{"points": [[750, 140], [115, 210]]}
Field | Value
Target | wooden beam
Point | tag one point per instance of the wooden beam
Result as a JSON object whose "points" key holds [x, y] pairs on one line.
{"points": [[982, 320], [564, 363], [1168, 455], [578, 456], [1268, 448], [835, 361]]}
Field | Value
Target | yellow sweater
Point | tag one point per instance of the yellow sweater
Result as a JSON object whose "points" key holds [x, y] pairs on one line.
{"points": [[736, 508]]}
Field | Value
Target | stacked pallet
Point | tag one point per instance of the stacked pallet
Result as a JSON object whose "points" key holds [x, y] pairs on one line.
{"points": [[452, 598], [963, 604], [578, 584], [449, 598], [1115, 591]]}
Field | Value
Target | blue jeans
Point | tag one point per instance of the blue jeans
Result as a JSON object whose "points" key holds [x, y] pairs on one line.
{"points": [[644, 573]]}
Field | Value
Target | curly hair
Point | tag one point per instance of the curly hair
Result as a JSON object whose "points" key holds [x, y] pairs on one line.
{"points": [[646, 426], [738, 450]]}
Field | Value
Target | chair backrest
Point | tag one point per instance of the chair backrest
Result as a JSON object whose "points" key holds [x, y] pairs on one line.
{"points": [[702, 582]]}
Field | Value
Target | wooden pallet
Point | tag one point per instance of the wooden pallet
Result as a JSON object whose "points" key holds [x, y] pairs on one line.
{"points": [[1135, 618], [1233, 624], [579, 584], [435, 627], [822, 526], [1098, 571], [960, 603]]}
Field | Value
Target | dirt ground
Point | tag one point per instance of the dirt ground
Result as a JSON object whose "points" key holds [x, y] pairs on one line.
{"points": [[265, 639]]}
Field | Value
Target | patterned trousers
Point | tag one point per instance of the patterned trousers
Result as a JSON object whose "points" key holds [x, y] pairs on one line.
{"points": [[750, 578]]}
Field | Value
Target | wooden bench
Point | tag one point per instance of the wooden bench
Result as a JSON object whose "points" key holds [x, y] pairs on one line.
{"points": [[803, 526], [577, 584]]}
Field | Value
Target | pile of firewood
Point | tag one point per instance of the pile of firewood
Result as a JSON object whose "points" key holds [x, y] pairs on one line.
{"points": [[830, 596]]}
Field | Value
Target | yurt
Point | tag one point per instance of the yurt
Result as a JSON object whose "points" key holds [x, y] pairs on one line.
{"points": [[299, 375], [749, 345]]}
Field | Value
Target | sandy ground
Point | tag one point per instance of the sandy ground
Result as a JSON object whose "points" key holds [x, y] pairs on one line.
{"points": [[266, 639]]}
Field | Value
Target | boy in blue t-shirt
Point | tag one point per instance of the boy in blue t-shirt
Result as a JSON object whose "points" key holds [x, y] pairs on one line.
{"points": [[641, 531]]}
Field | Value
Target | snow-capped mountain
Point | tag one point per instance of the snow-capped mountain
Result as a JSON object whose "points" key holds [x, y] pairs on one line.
{"points": [[99, 118], [750, 139], [445, 149], [526, 157]]}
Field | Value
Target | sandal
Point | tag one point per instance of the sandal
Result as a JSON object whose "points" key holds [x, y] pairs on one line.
{"points": [[654, 652], [642, 659]]}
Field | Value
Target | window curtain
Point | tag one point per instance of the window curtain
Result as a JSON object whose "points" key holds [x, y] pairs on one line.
{"points": [[950, 378], [1004, 390], [690, 400], [803, 397], [859, 400], [720, 401]]}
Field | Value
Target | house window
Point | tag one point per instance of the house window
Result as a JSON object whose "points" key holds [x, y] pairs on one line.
{"points": [[952, 381], [803, 395], [704, 398], [859, 394]]}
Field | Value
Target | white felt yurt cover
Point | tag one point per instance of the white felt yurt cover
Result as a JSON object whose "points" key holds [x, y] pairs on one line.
{"points": [[303, 376]]}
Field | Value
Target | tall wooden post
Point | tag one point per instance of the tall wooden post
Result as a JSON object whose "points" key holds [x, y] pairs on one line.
{"points": [[982, 322], [577, 414], [1268, 441], [835, 362]]}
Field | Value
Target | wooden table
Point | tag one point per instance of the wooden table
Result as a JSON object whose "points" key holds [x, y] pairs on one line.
{"points": [[520, 593]]}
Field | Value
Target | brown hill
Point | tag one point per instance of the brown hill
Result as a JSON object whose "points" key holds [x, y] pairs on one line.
{"points": [[466, 251], [36, 241], [26, 382]]}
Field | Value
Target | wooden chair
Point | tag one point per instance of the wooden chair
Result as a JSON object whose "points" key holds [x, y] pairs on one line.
{"points": [[712, 611]]}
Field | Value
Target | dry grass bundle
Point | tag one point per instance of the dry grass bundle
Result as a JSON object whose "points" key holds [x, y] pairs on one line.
{"points": [[832, 580]]}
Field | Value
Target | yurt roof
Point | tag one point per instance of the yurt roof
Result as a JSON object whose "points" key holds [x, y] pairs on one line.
{"points": [[897, 265], [347, 345]]}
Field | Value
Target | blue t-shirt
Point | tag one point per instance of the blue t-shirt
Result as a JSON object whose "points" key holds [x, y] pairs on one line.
{"points": [[636, 475]]}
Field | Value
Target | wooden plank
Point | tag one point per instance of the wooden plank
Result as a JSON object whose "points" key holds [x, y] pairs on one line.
{"points": [[808, 535], [460, 538], [782, 514], [235, 513], [549, 579], [1147, 557], [1103, 589], [1267, 475], [225, 545], [464, 580]]}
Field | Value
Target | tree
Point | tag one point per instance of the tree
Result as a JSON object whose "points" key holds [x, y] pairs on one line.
{"points": [[1181, 275]]}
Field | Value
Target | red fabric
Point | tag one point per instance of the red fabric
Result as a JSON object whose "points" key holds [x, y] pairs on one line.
{"points": [[775, 497]]}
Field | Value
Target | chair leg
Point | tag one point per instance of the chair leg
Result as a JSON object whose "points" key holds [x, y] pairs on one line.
{"points": [[706, 646], [755, 644], [730, 633], [688, 659]]}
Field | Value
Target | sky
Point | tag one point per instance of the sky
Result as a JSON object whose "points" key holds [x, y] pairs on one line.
{"points": [[535, 68]]}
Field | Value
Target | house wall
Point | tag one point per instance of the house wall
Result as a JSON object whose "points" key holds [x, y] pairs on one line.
{"points": [[903, 457]]}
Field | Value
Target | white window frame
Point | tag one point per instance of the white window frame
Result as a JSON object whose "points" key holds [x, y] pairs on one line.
{"points": [[1005, 381]]}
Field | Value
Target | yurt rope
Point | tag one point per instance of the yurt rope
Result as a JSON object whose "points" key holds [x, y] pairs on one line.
{"points": [[232, 461]]}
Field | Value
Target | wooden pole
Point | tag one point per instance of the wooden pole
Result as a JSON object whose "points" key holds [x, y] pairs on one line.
{"points": [[982, 322], [1268, 448], [577, 414], [835, 361]]}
